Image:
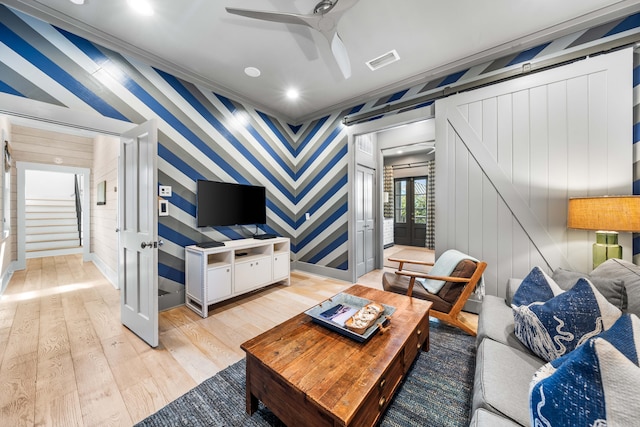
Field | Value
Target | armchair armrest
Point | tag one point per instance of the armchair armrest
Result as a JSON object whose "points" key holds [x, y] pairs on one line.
{"points": [[402, 262], [415, 275]]}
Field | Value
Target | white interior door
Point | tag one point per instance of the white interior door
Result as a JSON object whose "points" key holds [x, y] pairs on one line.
{"points": [[138, 217], [365, 220]]}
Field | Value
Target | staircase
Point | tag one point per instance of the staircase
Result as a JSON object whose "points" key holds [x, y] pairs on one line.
{"points": [[51, 227]]}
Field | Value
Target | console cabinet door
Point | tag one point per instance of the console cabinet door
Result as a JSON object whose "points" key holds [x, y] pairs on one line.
{"points": [[280, 266], [252, 273], [218, 283]]}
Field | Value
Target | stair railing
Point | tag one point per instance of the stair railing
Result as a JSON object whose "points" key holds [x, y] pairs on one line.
{"points": [[78, 208]]}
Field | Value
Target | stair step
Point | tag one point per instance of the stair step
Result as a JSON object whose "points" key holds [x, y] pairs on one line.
{"points": [[51, 237], [46, 229], [58, 244], [52, 215], [52, 222], [50, 202], [47, 208]]}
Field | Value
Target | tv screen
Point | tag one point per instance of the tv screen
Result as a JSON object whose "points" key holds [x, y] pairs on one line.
{"points": [[223, 203]]}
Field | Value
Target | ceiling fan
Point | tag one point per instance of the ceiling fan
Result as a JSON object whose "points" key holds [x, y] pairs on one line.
{"points": [[325, 17]]}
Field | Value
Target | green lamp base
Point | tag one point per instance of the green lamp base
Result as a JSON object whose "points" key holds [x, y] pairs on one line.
{"points": [[605, 247]]}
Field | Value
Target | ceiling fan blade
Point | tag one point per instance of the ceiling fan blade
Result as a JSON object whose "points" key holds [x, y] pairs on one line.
{"points": [[341, 56], [285, 18]]}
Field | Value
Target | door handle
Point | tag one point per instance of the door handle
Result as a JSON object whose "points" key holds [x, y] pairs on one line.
{"points": [[151, 244]]}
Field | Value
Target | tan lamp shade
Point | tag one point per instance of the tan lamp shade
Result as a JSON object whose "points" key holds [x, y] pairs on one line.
{"points": [[606, 213]]}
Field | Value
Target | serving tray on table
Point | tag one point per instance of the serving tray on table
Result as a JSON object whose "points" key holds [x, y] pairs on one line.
{"points": [[333, 312]]}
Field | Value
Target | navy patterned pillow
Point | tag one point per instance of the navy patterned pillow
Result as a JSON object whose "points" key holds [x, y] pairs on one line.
{"points": [[552, 322], [595, 385]]}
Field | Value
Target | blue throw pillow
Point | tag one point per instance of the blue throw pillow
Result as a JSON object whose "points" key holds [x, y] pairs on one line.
{"points": [[595, 385], [537, 286], [551, 323]]}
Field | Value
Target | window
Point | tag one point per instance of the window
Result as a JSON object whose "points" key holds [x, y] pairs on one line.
{"points": [[400, 202], [420, 200]]}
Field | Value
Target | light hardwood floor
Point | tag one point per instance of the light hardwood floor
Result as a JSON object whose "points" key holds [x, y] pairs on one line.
{"points": [[66, 360]]}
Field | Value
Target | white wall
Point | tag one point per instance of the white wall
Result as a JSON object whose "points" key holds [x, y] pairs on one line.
{"points": [[104, 218], [49, 185], [5, 243]]}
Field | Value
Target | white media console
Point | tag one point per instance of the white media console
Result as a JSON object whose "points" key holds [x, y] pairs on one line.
{"points": [[240, 266]]}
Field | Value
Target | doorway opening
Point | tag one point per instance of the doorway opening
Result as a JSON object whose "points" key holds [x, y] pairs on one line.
{"points": [[53, 211], [394, 138]]}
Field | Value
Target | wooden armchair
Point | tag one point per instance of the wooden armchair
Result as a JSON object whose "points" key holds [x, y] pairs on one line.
{"points": [[449, 300]]}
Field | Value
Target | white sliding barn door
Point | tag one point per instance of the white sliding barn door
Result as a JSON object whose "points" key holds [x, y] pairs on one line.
{"points": [[510, 155]]}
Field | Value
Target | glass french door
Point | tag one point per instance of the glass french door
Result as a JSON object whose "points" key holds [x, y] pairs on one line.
{"points": [[410, 211]]}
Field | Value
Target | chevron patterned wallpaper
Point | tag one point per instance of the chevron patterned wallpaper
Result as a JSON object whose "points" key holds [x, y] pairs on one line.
{"points": [[203, 135]]}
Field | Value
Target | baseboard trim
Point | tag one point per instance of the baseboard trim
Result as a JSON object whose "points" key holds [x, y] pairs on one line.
{"points": [[112, 276], [320, 270]]}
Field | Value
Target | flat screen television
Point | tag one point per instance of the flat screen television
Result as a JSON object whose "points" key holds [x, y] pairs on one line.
{"points": [[224, 203]]}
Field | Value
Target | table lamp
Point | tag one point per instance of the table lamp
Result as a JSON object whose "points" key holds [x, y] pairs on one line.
{"points": [[607, 215]]}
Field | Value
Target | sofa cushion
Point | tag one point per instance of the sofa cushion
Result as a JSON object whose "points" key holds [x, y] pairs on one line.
{"points": [[629, 273], [502, 378], [496, 322], [552, 323], [484, 418], [611, 288], [594, 385], [512, 286]]}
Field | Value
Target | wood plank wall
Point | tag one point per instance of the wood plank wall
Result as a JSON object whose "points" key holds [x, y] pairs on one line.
{"points": [[511, 155], [104, 218]]}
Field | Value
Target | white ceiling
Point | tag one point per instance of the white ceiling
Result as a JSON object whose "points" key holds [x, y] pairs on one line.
{"points": [[199, 41]]}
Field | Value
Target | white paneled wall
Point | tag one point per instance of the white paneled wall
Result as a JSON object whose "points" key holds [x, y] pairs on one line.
{"points": [[104, 218], [509, 156]]}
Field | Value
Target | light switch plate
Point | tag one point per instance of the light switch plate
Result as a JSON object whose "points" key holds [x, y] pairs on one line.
{"points": [[163, 208], [164, 191]]}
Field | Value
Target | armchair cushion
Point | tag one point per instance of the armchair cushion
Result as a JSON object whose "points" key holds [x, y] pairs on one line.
{"points": [[448, 294], [448, 264], [391, 282], [450, 291]]}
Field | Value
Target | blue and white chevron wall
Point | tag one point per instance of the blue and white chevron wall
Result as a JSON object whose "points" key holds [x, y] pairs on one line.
{"points": [[636, 145], [203, 135]]}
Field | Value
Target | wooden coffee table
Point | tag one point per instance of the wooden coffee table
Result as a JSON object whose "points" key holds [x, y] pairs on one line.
{"points": [[308, 375]]}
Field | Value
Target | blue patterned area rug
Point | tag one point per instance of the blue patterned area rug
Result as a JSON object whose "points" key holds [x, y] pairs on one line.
{"points": [[436, 392]]}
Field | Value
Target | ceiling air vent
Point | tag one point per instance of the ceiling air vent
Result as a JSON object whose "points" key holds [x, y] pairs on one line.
{"points": [[383, 60]]}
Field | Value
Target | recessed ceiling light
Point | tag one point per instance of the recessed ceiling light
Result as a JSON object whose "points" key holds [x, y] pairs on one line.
{"points": [[77, 1], [252, 72], [292, 94], [143, 7]]}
